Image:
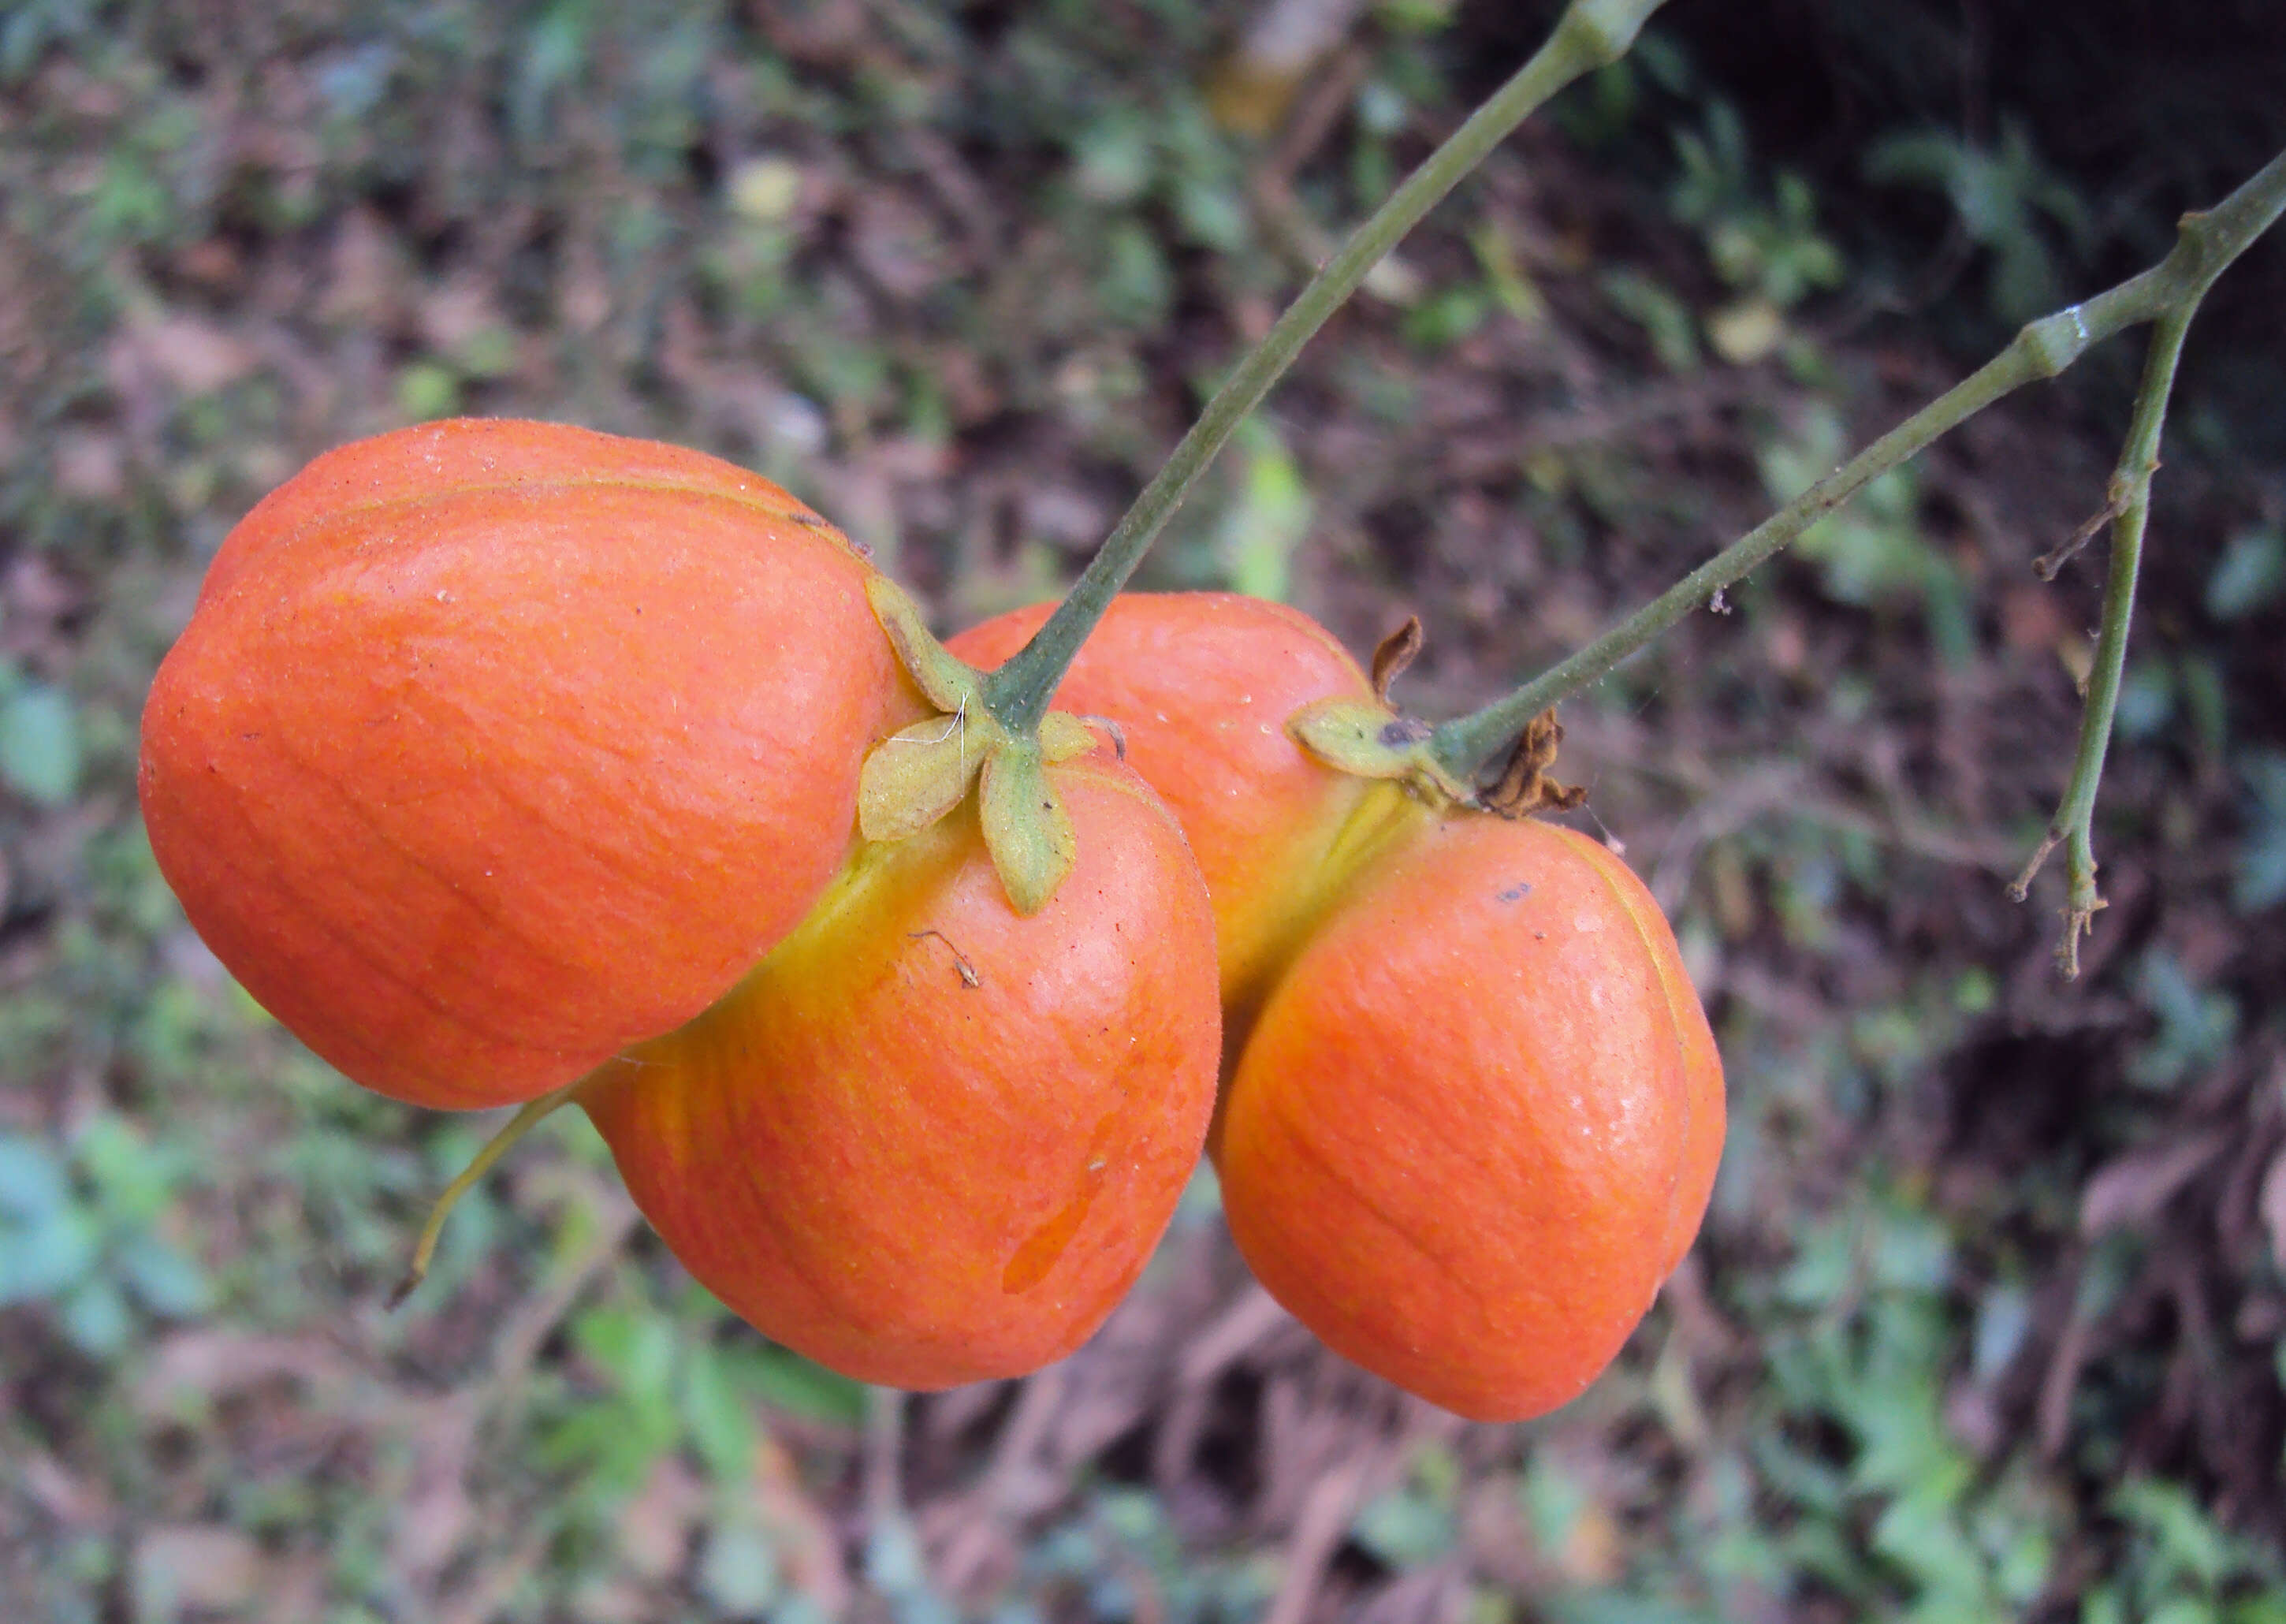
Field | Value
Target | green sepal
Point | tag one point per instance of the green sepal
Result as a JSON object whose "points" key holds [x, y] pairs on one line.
{"points": [[1026, 828], [1357, 736], [918, 774], [1063, 736], [1368, 740], [951, 684]]}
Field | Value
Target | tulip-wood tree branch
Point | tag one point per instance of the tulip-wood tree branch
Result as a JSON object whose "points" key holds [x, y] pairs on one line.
{"points": [[1589, 34], [2166, 295]]}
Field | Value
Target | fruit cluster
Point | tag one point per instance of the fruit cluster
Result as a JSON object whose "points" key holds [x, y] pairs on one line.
{"points": [[508, 763]]}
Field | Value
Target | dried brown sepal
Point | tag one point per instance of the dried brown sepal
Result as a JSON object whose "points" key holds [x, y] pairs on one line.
{"points": [[1397, 650], [1525, 787], [1118, 734]]}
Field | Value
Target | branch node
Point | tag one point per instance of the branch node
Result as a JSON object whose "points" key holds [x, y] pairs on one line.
{"points": [[2055, 341]]}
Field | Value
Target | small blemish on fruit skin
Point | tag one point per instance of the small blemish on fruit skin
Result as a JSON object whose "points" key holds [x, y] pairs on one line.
{"points": [[1516, 893]]}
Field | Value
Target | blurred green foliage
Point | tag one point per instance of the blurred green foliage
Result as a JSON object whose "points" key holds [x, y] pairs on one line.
{"points": [[2006, 201], [178, 1166], [87, 1234], [1872, 553]]}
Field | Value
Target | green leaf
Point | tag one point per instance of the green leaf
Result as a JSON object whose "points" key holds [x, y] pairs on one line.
{"points": [[95, 1317], [636, 1349], [47, 1257], [1405, 1528], [1269, 518], [2187, 1539], [1114, 158], [2249, 576], [427, 390], [780, 1379], [738, 1570], [134, 1179], [2258, 876], [1920, 1534], [164, 1280], [1620, 1607], [31, 1185], [2196, 1025], [1664, 318], [1914, 1251], [721, 1426], [40, 745]]}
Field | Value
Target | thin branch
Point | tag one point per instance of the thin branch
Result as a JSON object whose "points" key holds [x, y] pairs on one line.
{"points": [[2131, 486], [2047, 566], [1589, 34], [2166, 294]]}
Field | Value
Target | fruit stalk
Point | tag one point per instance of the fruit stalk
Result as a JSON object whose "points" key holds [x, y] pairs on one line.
{"points": [[1589, 34]]}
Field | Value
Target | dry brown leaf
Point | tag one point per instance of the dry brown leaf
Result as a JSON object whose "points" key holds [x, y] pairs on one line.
{"points": [[654, 1527], [2134, 1188], [193, 1367], [193, 354]]}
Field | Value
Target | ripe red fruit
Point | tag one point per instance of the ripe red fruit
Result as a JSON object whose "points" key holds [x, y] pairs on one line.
{"points": [[494, 747], [1473, 1110], [930, 1140]]}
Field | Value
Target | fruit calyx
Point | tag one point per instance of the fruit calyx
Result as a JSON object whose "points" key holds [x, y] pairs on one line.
{"points": [[920, 773], [1372, 738]]}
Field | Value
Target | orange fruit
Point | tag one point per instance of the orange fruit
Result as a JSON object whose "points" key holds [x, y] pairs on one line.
{"points": [[929, 1140], [494, 747], [1472, 1109]]}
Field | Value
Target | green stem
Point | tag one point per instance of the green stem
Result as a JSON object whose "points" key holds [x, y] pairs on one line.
{"points": [[2131, 498], [1589, 33], [2207, 243], [528, 1117]]}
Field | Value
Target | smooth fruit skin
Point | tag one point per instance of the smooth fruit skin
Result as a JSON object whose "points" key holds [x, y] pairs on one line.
{"points": [[1201, 684], [916, 1181], [1475, 1124], [494, 747]]}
